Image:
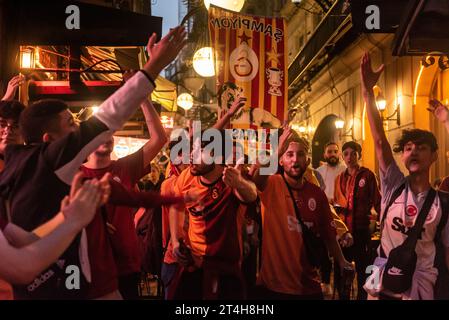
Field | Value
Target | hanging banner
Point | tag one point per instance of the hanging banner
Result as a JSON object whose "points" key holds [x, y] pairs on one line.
{"points": [[250, 61]]}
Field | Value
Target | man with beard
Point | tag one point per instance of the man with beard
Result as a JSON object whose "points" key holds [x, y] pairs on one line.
{"points": [[170, 266], [286, 271], [331, 168], [356, 193], [211, 253]]}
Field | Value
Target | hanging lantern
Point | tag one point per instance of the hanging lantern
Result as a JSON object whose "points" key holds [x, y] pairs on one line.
{"points": [[27, 60], [203, 62], [233, 5], [185, 101], [339, 123]]}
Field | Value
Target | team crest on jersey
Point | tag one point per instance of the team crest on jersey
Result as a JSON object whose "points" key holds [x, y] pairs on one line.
{"points": [[411, 210], [362, 183], [333, 224], [312, 204]]}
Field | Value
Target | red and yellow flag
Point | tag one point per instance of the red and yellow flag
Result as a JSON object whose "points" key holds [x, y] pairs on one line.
{"points": [[250, 52]]}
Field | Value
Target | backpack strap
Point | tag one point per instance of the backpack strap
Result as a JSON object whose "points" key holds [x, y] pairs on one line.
{"points": [[295, 206], [393, 198], [444, 199], [415, 231]]}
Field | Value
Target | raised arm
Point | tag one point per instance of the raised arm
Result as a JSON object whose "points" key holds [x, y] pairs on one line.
{"points": [[244, 189], [369, 80], [261, 180], [122, 104], [120, 196], [158, 138], [69, 153], [13, 84], [440, 112], [225, 121]]}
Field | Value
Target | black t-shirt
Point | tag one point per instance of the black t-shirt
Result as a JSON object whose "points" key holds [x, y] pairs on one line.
{"points": [[33, 176], [35, 180]]}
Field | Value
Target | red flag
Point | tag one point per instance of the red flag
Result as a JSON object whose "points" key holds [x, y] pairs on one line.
{"points": [[250, 60]]}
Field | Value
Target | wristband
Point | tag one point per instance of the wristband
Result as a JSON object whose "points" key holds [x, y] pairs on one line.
{"points": [[148, 77]]}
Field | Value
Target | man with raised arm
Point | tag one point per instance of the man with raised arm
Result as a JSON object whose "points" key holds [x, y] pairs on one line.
{"points": [[403, 197], [286, 269], [37, 175]]}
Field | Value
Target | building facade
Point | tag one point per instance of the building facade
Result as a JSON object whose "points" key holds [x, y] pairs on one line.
{"points": [[328, 88]]}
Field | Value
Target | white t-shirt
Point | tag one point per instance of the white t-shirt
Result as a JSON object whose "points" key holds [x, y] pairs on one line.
{"points": [[404, 212], [329, 175]]}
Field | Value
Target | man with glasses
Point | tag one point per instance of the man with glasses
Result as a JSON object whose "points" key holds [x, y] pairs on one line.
{"points": [[9, 134]]}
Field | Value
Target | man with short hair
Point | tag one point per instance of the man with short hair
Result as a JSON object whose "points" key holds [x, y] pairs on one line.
{"points": [[170, 266], [331, 168], [56, 147], [355, 194], [120, 220], [211, 253], [403, 199], [286, 270]]}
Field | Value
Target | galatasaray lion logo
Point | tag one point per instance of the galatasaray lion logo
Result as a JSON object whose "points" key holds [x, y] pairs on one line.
{"points": [[244, 63]]}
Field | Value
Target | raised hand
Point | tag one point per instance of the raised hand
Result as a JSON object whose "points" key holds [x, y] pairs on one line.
{"points": [[81, 208], [368, 75], [286, 134], [165, 51], [232, 176], [103, 185], [13, 84], [236, 105], [439, 110]]}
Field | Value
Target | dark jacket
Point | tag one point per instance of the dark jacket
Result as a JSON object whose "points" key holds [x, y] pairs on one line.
{"points": [[366, 196]]}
